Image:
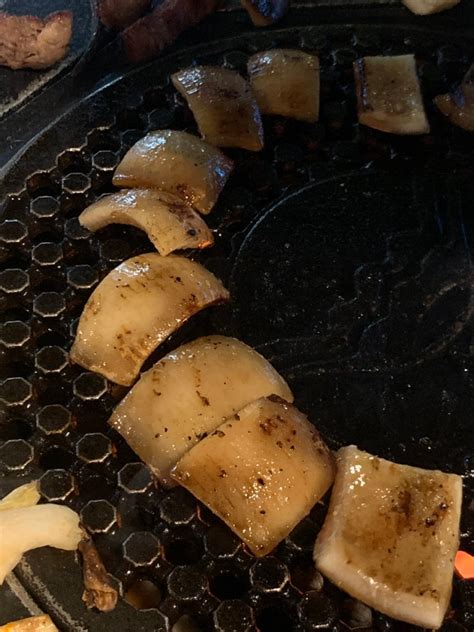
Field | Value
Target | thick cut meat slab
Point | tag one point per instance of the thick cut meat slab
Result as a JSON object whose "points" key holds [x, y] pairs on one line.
{"points": [[30, 42], [151, 34], [261, 472], [391, 535]]}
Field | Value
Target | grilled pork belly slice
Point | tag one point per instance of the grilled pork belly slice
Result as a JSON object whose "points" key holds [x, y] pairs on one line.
{"points": [[169, 223], [178, 163], [187, 394], [223, 105], [459, 105], [135, 308], [261, 472], [265, 12], [391, 535], [30, 42], [389, 95], [425, 7], [286, 82]]}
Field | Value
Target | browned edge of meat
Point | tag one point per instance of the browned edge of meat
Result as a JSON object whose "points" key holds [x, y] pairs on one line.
{"points": [[149, 35], [265, 12], [27, 41], [118, 14], [98, 589]]}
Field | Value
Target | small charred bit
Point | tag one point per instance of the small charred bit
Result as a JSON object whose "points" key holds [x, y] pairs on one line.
{"points": [[99, 592], [149, 35], [27, 41], [118, 14], [458, 106], [265, 12]]}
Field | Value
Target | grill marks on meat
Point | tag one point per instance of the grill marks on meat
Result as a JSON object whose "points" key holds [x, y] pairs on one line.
{"points": [[118, 14], [30, 42], [151, 34]]}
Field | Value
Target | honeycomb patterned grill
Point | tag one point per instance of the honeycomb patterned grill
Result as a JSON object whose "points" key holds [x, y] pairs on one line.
{"points": [[53, 423]]}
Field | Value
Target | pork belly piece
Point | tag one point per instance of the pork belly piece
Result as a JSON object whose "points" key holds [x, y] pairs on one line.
{"points": [[117, 14], [135, 308], [286, 82], [391, 535], [41, 623], [169, 223], [30, 42], [178, 163], [265, 12], [261, 472], [149, 35], [425, 7], [458, 106], [223, 105], [389, 95], [188, 394]]}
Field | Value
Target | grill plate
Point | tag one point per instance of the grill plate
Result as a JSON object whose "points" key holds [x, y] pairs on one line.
{"points": [[347, 253]]}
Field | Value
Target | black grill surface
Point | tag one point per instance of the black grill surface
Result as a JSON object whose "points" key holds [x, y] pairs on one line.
{"points": [[348, 256]]}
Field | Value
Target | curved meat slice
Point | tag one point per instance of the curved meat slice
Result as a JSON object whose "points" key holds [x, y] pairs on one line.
{"points": [[391, 535], [261, 472], [188, 394], [30, 42], [265, 12], [169, 223], [27, 528], [223, 106], [178, 163], [458, 106], [425, 7], [389, 95], [286, 82], [135, 308]]}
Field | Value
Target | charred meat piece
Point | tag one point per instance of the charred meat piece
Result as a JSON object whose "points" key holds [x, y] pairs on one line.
{"points": [[169, 223], [118, 14], [135, 308], [425, 7], [149, 35], [178, 163], [187, 394], [98, 589], [265, 12], [389, 95], [223, 106], [458, 106], [286, 82], [261, 472], [391, 535], [30, 42]]}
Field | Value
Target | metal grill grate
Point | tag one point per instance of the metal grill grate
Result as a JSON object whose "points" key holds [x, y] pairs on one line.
{"points": [[346, 253]]}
